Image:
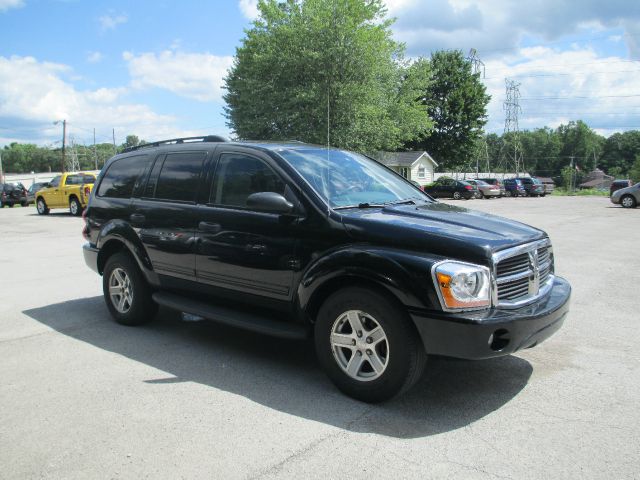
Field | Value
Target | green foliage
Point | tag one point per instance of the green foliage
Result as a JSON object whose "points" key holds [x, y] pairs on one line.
{"points": [[587, 192], [634, 171], [456, 101], [619, 153], [26, 157], [311, 68]]}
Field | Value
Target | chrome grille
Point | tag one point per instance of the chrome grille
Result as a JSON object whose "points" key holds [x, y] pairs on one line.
{"points": [[522, 274]]}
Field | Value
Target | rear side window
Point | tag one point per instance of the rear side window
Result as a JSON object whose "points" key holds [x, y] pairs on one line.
{"points": [[120, 178], [239, 176], [179, 176]]}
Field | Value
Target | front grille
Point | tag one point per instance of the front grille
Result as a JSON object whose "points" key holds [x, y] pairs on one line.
{"points": [[522, 274]]}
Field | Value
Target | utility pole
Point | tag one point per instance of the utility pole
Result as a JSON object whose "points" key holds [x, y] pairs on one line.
{"points": [[511, 107], [1, 171], [95, 154], [114, 141], [64, 143]]}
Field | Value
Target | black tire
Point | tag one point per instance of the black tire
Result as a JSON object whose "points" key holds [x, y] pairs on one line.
{"points": [[628, 201], [25, 204], [405, 356], [41, 206], [11, 205], [507, 193], [457, 196], [139, 307], [75, 208]]}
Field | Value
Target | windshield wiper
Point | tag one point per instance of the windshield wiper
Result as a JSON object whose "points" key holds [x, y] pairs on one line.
{"points": [[360, 205]]}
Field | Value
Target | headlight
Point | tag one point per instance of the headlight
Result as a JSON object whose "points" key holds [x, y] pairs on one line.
{"points": [[462, 286]]}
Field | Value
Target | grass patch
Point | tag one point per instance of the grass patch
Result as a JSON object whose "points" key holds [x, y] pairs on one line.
{"points": [[589, 192]]}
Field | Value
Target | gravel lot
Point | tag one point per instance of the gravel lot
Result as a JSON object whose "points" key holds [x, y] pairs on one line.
{"points": [[81, 397]]}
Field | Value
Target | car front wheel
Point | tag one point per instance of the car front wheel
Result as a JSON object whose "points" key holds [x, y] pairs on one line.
{"points": [[41, 206], [628, 201], [126, 292], [367, 346], [457, 196]]}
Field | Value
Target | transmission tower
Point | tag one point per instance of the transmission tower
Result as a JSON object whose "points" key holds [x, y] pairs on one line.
{"points": [[482, 150], [512, 109], [476, 64], [73, 164]]}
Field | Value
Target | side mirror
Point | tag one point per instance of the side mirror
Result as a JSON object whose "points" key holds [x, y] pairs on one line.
{"points": [[269, 202]]}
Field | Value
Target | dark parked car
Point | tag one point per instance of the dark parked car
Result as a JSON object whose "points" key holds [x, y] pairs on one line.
{"points": [[618, 184], [446, 187], [532, 187], [513, 188], [33, 189], [296, 240], [12, 194], [494, 181]]}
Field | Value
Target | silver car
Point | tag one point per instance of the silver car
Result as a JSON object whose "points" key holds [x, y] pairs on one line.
{"points": [[627, 197], [485, 190]]}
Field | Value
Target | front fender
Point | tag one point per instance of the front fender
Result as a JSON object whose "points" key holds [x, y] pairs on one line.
{"points": [[404, 274]]}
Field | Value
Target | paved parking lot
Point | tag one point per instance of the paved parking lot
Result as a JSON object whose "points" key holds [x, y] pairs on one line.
{"points": [[81, 397]]}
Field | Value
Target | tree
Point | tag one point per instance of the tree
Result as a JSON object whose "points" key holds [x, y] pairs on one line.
{"points": [[619, 152], [634, 171], [580, 143], [541, 151], [324, 71], [456, 101]]}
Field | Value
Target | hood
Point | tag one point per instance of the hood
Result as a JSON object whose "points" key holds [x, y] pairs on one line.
{"points": [[440, 229]]}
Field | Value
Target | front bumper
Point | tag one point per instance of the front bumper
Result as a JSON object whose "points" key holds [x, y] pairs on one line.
{"points": [[494, 332], [91, 257]]}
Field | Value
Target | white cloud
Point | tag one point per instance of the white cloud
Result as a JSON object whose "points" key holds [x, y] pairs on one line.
{"points": [[249, 8], [94, 57], [493, 27], [110, 21], [9, 4], [34, 94], [192, 75]]}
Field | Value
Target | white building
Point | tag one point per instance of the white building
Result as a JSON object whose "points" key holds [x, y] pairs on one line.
{"points": [[416, 166]]}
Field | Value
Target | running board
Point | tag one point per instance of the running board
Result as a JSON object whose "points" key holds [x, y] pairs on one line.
{"points": [[234, 318]]}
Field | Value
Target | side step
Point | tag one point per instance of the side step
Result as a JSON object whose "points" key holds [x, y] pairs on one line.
{"points": [[235, 318]]}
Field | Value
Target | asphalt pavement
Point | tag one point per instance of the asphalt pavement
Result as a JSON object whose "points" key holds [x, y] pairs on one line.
{"points": [[82, 397]]}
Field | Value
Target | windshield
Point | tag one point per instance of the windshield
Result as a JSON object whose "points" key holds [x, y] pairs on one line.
{"points": [[345, 179]]}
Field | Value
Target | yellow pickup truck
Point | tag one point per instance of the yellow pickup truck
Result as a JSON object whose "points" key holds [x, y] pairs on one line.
{"points": [[69, 190]]}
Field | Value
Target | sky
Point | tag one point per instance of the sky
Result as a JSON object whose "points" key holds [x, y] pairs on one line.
{"points": [[155, 68]]}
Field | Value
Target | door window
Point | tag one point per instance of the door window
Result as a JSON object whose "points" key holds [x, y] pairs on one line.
{"points": [[179, 176], [238, 176]]}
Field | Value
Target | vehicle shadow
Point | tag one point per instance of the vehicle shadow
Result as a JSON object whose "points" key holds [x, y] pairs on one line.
{"points": [[284, 375]]}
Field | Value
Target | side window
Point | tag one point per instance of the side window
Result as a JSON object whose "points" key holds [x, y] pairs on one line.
{"points": [[239, 176], [179, 176], [56, 181], [121, 176], [71, 180]]}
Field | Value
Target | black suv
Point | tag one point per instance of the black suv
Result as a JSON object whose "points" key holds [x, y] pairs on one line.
{"points": [[11, 194], [294, 240]]}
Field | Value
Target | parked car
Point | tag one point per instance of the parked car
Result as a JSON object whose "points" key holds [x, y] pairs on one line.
{"points": [[446, 187], [69, 190], [514, 188], [532, 187], [484, 190], [494, 181], [628, 197], [618, 184], [293, 240], [33, 189], [548, 184], [12, 194]]}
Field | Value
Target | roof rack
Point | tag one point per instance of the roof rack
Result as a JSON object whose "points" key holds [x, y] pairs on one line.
{"points": [[175, 141]]}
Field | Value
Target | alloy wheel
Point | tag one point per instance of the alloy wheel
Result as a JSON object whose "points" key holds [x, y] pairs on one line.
{"points": [[359, 345], [120, 290]]}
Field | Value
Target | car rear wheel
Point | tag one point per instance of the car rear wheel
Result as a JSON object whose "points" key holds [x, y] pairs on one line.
{"points": [[457, 196], [367, 346], [74, 207], [41, 206], [628, 201], [507, 193], [126, 292]]}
